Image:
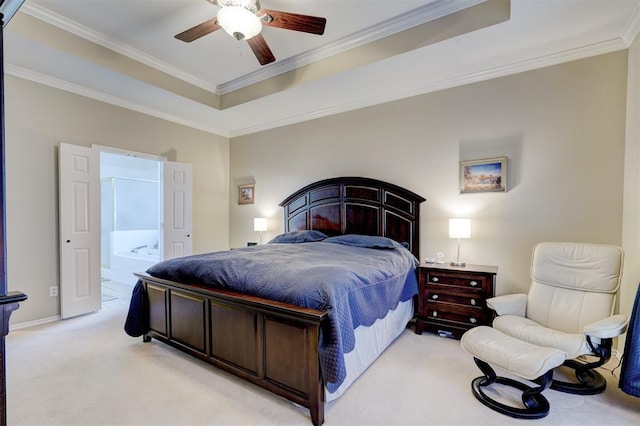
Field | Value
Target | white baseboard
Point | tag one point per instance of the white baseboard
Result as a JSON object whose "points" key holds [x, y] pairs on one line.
{"points": [[32, 323]]}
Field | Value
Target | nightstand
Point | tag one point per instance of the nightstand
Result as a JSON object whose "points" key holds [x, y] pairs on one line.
{"points": [[452, 299]]}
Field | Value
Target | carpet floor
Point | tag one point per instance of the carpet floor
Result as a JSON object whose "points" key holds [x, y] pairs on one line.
{"points": [[87, 371]]}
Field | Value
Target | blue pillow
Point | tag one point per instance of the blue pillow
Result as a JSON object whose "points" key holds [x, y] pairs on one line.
{"points": [[304, 236], [368, 241]]}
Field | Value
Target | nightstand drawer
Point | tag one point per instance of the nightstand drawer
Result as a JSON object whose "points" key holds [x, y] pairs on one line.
{"points": [[453, 299], [458, 280], [460, 296], [450, 312]]}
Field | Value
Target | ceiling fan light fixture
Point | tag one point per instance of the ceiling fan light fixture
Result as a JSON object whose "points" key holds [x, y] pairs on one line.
{"points": [[239, 22]]}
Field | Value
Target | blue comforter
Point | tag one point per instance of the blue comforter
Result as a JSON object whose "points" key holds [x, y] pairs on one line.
{"points": [[356, 279]]}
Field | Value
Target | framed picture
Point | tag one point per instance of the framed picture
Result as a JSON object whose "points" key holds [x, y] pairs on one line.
{"points": [[489, 175], [246, 194]]}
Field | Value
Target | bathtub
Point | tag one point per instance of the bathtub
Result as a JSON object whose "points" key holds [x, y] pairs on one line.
{"points": [[124, 264], [143, 253], [131, 251]]}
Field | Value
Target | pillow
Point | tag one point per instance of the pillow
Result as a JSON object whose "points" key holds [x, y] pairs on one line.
{"points": [[304, 236], [368, 241]]}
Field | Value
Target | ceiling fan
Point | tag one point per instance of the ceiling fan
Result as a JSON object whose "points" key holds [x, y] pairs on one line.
{"points": [[243, 20]]}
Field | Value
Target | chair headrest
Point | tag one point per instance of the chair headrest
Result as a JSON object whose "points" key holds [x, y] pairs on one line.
{"points": [[579, 266]]}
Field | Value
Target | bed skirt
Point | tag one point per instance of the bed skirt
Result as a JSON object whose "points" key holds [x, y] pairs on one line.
{"points": [[370, 343]]}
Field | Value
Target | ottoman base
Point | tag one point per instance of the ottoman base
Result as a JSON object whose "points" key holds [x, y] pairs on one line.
{"points": [[536, 405], [522, 359]]}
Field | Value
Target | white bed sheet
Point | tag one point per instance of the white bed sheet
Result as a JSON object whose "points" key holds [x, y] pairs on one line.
{"points": [[371, 342]]}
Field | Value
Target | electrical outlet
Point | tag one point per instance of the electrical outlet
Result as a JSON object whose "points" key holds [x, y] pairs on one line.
{"points": [[53, 291]]}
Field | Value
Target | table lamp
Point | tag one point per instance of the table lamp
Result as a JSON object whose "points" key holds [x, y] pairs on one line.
{"points": [[459, 228], [260, 225]]}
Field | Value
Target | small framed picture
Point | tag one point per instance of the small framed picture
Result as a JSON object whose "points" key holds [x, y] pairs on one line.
{"points": [[246, 194], [489, 175]]}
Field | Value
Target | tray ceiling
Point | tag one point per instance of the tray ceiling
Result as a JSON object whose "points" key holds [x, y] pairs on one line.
{"points": [[124, 52]]}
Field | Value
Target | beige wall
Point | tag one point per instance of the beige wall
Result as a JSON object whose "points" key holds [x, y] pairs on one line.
{"points": [[631, 212], [562, 128], [39, 118]]}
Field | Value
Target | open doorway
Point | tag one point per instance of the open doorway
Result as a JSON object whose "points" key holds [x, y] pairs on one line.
{"points": [[131, 217], [81, 251]]}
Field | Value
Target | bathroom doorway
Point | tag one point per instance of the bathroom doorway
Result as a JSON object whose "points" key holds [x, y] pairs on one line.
{"points": [[131, 218], [132, 189]]}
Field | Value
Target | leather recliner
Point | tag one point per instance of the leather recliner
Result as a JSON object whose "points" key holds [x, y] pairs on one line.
{"points": [[569, 306]]}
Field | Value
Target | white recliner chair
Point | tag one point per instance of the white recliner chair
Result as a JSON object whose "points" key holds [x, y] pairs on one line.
{"points": [[570, 307]]}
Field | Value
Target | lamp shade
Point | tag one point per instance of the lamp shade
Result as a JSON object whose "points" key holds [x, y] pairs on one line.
{"points": [[459, 228], [260, 224], [239, 22]]}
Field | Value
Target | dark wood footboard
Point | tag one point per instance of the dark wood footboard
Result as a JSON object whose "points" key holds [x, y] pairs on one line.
{"points": [[273, 345]]}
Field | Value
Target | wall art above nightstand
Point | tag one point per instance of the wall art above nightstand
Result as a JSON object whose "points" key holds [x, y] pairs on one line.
{"points": [[489, 175]]}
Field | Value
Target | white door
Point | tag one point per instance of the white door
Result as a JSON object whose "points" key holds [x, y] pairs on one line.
{"points": [[79, 181], [178, 209]]}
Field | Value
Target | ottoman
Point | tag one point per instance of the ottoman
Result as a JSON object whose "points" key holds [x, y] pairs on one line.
{"points": [[534, 363]]}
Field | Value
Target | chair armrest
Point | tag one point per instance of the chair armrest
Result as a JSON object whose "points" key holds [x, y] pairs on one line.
{"points": [[607, 328], [509, 304]]}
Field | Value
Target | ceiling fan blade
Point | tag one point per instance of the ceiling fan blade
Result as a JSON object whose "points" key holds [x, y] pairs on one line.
{"points": [[198, 31], [261, 49], [293, 21]]}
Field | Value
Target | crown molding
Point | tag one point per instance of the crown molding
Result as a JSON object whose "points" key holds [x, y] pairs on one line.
{"points": [[627, 36], [429, 12], [75, 28], [488, 74], [460, 80], [632, 28], [77, 89], [8, 8]]}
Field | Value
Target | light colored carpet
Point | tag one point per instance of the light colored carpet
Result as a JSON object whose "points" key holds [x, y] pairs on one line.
{"points": [[87, 371]]}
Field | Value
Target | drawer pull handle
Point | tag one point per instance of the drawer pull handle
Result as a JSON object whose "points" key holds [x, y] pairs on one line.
{"points": [[434, 297], [434, 314], [473, 283], [473, 302], [435, 279], [473, 320]]}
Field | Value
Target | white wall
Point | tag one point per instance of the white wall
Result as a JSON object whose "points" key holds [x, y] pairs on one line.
{"points": [[562, 127], [38, 118]]}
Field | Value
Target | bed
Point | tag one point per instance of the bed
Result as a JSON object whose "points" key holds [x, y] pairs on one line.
{"points": [[309, 345]]}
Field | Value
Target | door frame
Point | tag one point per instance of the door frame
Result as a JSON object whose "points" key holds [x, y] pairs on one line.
{"points": [[99, 149], [95, 151]]}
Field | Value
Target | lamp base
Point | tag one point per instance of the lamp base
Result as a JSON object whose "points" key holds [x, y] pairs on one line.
{"points": [[458, 264]]}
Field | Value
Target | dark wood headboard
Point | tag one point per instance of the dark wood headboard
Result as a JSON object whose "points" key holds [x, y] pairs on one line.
{"points": [[356, 205]]}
